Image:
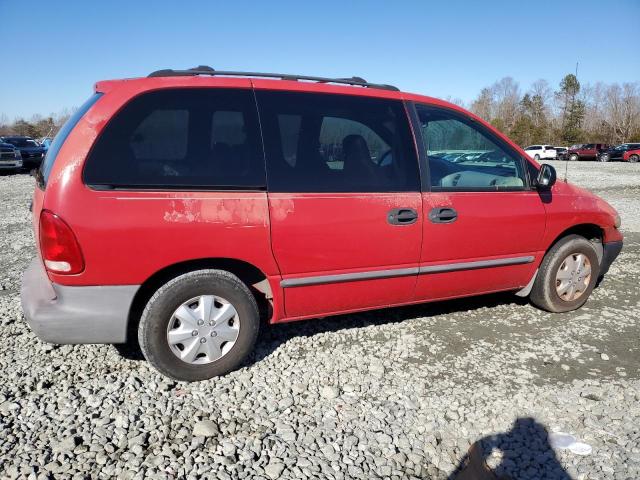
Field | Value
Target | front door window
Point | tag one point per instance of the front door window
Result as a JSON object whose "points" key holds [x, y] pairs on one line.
{"points": [[463, 157]]}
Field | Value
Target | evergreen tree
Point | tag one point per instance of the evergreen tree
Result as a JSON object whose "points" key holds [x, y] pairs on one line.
{"points": [[573, 110]]}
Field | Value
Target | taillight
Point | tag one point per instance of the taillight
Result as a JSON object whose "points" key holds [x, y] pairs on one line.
{"points": [[58, 245]]}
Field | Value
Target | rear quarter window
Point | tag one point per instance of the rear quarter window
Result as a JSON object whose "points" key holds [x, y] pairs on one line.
{"points": [[181, 138], [61, 137]]}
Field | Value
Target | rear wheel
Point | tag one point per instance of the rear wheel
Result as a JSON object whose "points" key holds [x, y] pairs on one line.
{"points": [[604, 157], [634, 158], [567, 275], [199, 325], [573, 157], [536, 157]]}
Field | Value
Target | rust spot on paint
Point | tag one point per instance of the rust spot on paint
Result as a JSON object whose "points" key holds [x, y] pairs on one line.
{"points": [[281, 208], [230, 212]]}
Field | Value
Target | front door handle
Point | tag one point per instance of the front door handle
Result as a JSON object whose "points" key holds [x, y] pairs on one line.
{"points": [[402, 216], [443, 215]]}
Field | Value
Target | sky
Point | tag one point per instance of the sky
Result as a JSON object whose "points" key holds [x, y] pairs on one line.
{"points": [[54, 52]]}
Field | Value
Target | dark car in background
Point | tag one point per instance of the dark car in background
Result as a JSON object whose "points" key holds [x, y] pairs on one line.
{"points": [[562, 153], [31, 151], [616, 154], [10, 158], [587, 151]]}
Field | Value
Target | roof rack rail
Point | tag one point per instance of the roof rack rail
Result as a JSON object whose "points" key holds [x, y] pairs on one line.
{"points": [[205, 70]]}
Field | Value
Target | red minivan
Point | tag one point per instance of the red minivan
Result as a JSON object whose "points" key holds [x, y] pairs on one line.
{"points": [[186, 207]]}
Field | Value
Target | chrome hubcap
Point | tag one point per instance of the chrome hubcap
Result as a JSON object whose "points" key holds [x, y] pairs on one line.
{"points": [[573, 277], [203, 329]]}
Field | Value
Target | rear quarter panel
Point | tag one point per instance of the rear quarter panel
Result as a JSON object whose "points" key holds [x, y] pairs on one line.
{"points": [[126, 236]]}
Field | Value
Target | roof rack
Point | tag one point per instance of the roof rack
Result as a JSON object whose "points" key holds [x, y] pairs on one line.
{"points": [[205, 70]]}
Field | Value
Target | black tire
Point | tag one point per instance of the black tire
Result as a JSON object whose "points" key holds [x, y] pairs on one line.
{"points": [[603, 158], [574, 157], [634, 158], [152, 330], [544, 294], [536, 157]]}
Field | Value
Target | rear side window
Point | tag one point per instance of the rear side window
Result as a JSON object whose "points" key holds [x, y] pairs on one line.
{"points": [[181, 138], [54, 148], [336, 143]]}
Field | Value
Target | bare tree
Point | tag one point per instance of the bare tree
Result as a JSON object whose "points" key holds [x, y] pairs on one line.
{"points": [[540, 94], [595, 124], [456, 101], [506, 93], [484, 105], [622, 107], [542, 89]]}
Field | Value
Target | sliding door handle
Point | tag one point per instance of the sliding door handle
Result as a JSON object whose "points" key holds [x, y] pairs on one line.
{"points": [[443, 215]]}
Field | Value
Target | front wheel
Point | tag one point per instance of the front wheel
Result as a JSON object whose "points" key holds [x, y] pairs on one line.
{"points": [[573, 158], [604, 158], [536, 157], [199, 325], [567, 275], [634, 158]]}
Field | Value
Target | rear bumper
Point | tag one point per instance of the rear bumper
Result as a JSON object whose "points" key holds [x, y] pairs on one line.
{"points": [[62, 314], [610, 252]]}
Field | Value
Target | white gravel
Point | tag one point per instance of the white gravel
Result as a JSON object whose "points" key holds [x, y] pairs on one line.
{"points": [[399, 393]]}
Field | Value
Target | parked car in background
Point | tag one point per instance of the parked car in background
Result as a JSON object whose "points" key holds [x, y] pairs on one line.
{"points": [[616, 154], [188, 208], [632, 156], [10, 158], [32, 152], [587, 151], [562, 153], [541, 152]]}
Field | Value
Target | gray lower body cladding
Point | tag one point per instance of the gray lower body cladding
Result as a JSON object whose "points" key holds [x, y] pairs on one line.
{"points": [[64, 314], [610, 252]]}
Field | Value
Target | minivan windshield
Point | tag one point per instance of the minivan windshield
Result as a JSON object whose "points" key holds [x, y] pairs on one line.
{"points": [[58, 141]]}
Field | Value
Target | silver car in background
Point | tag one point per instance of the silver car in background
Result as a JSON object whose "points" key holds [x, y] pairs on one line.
{"points": [[10, 157]]}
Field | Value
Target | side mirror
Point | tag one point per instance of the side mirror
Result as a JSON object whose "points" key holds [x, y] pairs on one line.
{"points": [[546, 177]]}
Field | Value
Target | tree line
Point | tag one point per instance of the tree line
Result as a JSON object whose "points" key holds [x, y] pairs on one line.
{"points": [[37, 126], [572, 113]]}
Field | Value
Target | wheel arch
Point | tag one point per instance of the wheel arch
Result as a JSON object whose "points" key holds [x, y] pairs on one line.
{"points": [[592, 232], [249, 274]]}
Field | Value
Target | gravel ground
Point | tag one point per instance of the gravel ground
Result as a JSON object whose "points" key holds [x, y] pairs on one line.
{"points": [[399, 393]]}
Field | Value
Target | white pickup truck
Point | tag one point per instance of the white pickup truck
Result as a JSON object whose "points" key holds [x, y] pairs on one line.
{"points": [[541, 152]]}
